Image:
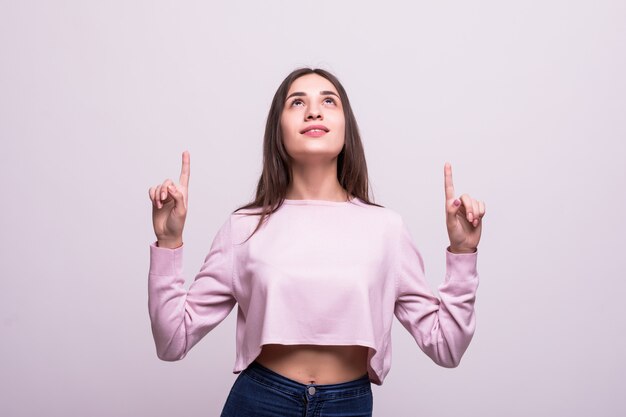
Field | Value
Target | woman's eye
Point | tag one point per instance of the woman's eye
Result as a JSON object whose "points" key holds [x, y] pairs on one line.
{"points": [[299, 102]]}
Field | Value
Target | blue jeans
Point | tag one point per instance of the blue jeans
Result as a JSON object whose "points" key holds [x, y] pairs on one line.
{"points": [[261, 392]]}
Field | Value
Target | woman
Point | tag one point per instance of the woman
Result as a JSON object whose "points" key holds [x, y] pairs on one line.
{"points": [[317, 269]]}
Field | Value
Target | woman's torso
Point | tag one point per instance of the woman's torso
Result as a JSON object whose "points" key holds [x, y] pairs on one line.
{"points": [[277, 266], [313, 364]]}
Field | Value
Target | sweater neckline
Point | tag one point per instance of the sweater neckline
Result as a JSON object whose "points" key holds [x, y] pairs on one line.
{"points": [[319, 202]]}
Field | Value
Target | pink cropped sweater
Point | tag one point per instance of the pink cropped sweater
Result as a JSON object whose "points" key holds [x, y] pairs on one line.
{"points": [[317, 272]]}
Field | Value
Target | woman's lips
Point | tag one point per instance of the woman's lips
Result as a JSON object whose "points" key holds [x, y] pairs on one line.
{"points": [[315, 133]]}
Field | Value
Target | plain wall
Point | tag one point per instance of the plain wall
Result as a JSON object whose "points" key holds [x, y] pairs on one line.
{"points": [[527, 100]]}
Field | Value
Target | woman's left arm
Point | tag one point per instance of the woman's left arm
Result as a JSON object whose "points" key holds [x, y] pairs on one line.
{"points": [[442, 326]]}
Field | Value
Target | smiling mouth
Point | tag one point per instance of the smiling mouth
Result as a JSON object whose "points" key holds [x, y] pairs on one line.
{"points": [[314, 133], [316, 128]]}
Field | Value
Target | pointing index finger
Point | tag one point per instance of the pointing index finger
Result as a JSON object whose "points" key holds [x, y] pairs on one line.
{"points": [[184, 171], [449, 186]]}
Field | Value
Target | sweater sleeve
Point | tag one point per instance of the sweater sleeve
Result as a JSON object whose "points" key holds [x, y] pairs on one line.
{"points": [[442, 327], [179, 317]]}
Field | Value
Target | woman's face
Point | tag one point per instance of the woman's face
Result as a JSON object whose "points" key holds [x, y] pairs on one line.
{"points": [[312, 101]]}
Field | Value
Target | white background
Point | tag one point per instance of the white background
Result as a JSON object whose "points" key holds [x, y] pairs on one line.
{"points": [[527, 100]]}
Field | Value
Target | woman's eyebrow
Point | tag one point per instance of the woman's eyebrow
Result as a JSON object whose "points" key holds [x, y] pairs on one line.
{"points": [[322, 93]]}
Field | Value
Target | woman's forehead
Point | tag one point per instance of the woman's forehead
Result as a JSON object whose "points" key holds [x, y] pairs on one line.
{"points": [[311, 84]]}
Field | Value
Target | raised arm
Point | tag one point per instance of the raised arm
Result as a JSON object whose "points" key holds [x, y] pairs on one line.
{"points": [[442, 327], [180, 317]]}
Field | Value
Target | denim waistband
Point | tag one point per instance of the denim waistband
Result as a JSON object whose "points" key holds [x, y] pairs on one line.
{"points": [[270, 378]]}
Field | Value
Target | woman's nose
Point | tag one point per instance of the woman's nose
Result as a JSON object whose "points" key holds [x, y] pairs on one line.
{"points": [[314, 114]]}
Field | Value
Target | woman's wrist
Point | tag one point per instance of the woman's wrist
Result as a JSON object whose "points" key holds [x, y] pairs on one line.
{"points": [[170, 243], [460, 250]]}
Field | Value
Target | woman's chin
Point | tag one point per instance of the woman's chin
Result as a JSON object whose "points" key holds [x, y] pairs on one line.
{"points": [[315, 156]]}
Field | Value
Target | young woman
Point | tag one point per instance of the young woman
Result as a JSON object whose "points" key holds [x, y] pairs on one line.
{"points": [[318, 270]]}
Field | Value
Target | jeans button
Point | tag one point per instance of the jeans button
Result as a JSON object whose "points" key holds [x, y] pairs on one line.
{"points": [[311, 390]]}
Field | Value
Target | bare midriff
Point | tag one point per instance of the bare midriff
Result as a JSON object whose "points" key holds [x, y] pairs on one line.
{"points": [[313, 364]]}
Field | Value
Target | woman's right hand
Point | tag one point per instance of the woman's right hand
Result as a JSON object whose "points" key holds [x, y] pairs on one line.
{"points": [[169, 207]]}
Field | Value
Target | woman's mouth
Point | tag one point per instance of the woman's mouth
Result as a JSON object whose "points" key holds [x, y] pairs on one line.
{"points": [[315, 133]]}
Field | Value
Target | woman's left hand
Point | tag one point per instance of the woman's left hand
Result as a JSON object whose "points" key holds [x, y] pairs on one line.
{"points": [[463, 217]]}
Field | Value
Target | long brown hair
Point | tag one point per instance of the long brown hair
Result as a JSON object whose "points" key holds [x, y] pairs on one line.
{"points": [[277, 175]]}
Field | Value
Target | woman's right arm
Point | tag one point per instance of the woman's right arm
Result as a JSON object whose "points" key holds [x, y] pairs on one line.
{"points": [[179, 317]]}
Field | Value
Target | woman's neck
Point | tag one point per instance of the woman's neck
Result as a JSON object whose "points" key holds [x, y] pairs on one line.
{"points": [[316, 182]]}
